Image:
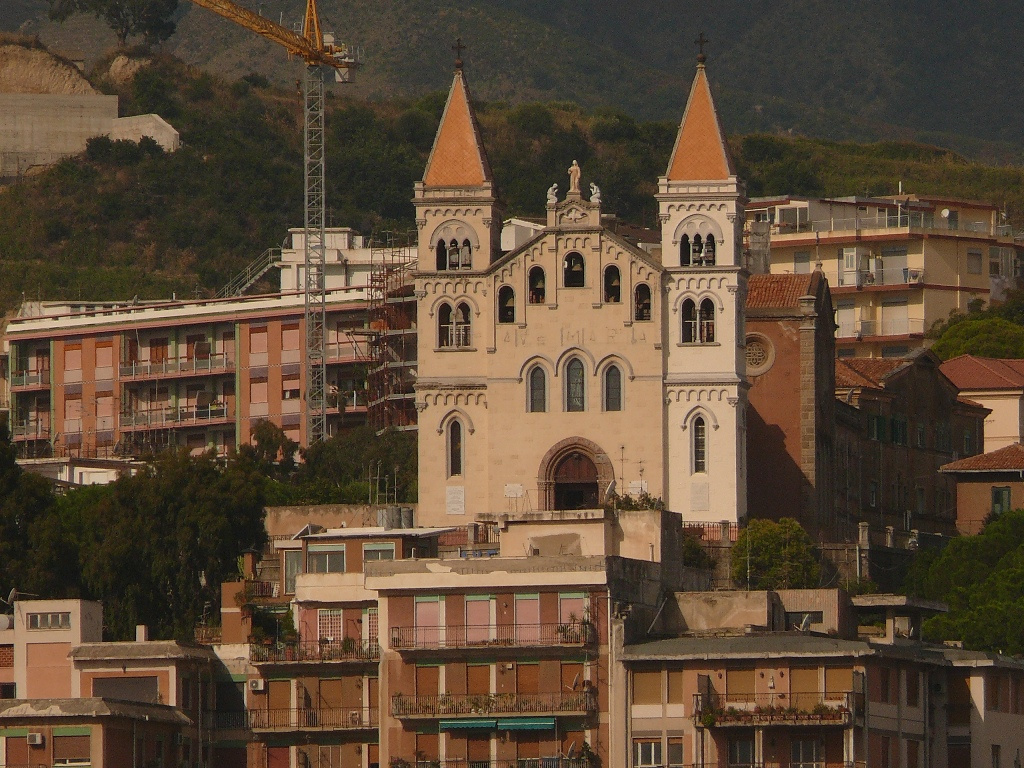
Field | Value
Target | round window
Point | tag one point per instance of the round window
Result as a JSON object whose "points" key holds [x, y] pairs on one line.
{"points": [[760, 355]]}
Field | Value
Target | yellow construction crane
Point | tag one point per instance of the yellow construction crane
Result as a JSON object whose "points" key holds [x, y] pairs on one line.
{"points": [[320, 53]]}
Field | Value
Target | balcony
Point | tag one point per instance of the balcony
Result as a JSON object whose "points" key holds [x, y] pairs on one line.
{"points": [[821, 708], [345, 650], [159, 418], [347, 352], [576, 703], [522, 762], [195, 366], [569, 635], [300, 719], [915, 220], [30, 379], [859, 329]]}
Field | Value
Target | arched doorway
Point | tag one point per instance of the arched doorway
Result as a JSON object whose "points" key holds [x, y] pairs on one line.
{"points": [[576, 482]]}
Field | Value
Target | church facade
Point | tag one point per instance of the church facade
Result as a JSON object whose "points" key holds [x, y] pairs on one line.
{"points": [[578, 365]]}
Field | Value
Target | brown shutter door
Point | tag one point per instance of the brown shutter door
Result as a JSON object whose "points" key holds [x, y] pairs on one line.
{"points": [[331, 695], [279, 694], [479, 748], [527, 678], [478, 679], [803, 687], [427, 681], [739, 685], [73, 748]]}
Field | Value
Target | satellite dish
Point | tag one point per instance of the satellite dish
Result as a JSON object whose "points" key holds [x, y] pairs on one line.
{"points": [[12, 597], [571, 750], [945, 213]]}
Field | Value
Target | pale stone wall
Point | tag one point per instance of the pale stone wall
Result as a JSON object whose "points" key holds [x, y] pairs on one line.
{"points": [[155, 127]]}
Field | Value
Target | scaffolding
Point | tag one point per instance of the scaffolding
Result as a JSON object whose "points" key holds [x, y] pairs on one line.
{"points": [[392, 332]]}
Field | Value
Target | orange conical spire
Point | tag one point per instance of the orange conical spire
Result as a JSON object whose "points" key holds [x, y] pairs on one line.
{"points": [[457, 158], [700, 153]]}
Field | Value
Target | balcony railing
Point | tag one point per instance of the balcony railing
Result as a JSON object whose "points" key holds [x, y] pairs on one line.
{"points": [[30, 378], [455, 335], [904, 221], [32, 428], [446, 704], [207, 635], [347, 649], [300, 719], [170, 417], [577, 633], [825, 708], [522, 762], [184, 366], [898, 327]]}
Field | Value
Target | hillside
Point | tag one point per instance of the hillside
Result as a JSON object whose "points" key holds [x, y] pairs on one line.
{"points": [[125, 220], [944, 73]]}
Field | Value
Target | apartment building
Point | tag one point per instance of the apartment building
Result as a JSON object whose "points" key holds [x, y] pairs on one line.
{"points": [[896, 266], [121, 379]]}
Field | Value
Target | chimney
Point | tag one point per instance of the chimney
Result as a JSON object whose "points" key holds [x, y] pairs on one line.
{"points": [[141, 633]]}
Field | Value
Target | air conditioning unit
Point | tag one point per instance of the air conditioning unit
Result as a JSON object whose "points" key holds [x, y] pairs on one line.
{"points": [[257, 685], [35, 739]]}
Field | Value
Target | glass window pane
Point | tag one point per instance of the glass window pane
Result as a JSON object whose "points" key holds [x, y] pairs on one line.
{"points": [[574, 399]]}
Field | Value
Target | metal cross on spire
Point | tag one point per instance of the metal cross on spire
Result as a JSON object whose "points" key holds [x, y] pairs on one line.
{"points": [[458, 48], [700, 42]]}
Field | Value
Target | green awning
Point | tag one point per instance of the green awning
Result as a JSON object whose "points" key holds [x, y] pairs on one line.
{"points": [[527, 724], [467, 723]]}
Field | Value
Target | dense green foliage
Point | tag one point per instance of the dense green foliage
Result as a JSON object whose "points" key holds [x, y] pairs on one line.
{"points": [[781, 556], [154, 547], [150, 19], [126, 220], [981, 578], [993, 331]]}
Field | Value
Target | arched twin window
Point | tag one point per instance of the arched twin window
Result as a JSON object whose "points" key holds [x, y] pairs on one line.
{"points": [[612, 285], [455, 448], [700, 445], [613, 388], [699, 252], [698, 323], [574, 271], [537, 285], [451, 255], [537, 394], [506, 304], [642, 302], [575, 386], [453, 326]]}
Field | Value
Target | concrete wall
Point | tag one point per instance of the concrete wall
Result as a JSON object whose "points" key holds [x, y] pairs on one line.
{"points": [[155, 127], [39, 129]]}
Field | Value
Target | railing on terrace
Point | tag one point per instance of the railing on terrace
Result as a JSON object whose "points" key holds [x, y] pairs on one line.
{"points": [[198, 364], [354, 351], [253, 588], [31, 428], [913, 220], [826, 708], [861, 278], [30, 378], [175, 416], [445, 704], [860, 328], [299, 719], [304, 651], [577, 633], [723, 531], [522, 762]]}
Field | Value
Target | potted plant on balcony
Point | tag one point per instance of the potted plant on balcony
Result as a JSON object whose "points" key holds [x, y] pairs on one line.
{"points": [[348, 646], [398, 762]]}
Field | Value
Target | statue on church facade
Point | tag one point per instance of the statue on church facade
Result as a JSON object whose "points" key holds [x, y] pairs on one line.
{"points": [[553, 193], [574, 178], [595, 193]]}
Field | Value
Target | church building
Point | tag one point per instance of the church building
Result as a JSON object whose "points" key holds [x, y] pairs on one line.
{"points": [[577, 365]]}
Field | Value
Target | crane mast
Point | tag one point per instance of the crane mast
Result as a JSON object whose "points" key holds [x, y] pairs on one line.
{"points": [[320, 56]]}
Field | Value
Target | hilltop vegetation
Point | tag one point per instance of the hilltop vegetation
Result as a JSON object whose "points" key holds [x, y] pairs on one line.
{"points": [[126, 220]]}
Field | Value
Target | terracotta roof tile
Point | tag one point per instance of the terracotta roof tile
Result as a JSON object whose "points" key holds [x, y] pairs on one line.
{"points": [[700, 152], [1010, 458], [457, 158], [778, 291], [870, 369], [968, 372], [848, 377]]}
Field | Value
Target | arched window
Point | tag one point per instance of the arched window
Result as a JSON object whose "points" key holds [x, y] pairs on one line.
{"points": [[453, 254], [709, 250], [684, 251], [613, 389], [506, 304], [575, 394], [537, 382], [689, 312], [612, 285], [642, 302], [454, 448], [574, 270], [700, 445], [698, 250], [444, 326], [442, 256], [707, 321], [537, 285], [461, 326], [467, 254]]}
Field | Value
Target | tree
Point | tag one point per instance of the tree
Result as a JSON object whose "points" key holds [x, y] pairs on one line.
{"points": [[149, 18], [781, 556], [985, 337], [981, 579]]}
